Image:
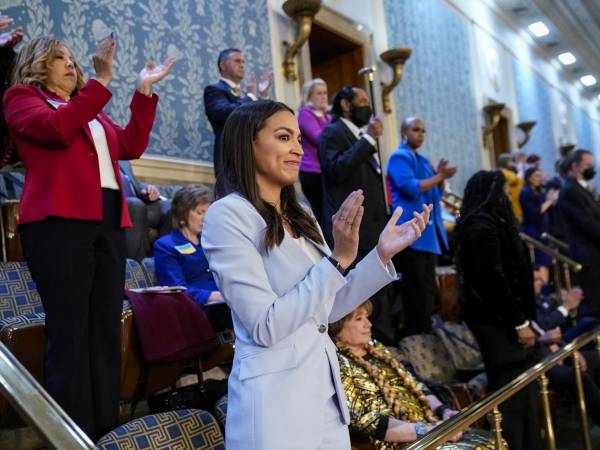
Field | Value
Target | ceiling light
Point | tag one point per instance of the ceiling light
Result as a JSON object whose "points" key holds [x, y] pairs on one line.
{"points": [[598, 96], [588, 80], [567, 58], [539, 29]]}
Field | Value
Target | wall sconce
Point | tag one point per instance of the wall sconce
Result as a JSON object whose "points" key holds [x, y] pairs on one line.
{"points": [[303, 12], [526, 128], [395, 58], [492, 114]]}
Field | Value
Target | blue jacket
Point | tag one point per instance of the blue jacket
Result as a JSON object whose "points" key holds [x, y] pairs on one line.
{"points": [[405, 171], [179, 262]]}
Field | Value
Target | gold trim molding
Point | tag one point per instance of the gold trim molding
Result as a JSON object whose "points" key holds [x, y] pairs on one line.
{"points": [[164, 171]]}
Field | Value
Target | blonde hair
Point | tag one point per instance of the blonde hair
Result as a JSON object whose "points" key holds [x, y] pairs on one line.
{"points": [[336, 327], [309, 87], [35, 59]]}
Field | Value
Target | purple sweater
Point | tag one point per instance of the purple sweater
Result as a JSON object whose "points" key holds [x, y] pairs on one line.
{"points": [[311, 127]]}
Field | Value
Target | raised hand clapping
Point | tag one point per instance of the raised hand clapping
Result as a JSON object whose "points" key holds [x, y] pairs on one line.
{"points": [[103, 59], [150, 74], [12, 37], [395, 238]]}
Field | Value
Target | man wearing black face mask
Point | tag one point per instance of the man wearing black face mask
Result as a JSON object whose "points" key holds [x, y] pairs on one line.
{"points": [[349, 161], [581, 213]]}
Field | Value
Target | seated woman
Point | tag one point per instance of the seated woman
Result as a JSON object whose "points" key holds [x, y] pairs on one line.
{"points": [[179, 258], [387, 403]]}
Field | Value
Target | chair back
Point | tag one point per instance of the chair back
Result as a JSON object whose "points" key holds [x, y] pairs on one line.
{"points": [[182, 429], [148, 265], [18, 294], [429, 357], [135, 277]]}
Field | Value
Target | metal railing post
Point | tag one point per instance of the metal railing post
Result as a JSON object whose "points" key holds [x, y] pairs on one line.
{"points": [[548, 426], [585, 429], [497, 429]]}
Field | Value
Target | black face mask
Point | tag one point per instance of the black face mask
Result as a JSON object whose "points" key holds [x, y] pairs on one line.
{"points": [[589, 173], [360, 115]]}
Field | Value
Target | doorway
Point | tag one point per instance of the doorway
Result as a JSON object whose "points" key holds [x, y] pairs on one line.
{"points": [[335, 59], [501, 139]]}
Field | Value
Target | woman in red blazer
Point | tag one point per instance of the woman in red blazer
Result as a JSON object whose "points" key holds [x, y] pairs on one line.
{"points": [[73, 214]]}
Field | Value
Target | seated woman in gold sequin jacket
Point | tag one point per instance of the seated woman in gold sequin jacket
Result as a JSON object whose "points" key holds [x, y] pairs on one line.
{"points": [[387, 403]]}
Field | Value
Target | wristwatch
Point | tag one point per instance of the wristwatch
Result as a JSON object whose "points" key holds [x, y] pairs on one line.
{"points": [[421, 429], [338, 266]]}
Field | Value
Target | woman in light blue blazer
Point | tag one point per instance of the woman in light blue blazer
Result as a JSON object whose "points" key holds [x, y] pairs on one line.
{"points": [[284, 286]]}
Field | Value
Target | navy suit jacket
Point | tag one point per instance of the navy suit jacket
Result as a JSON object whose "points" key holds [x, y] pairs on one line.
{"points": [[219, 102], [347, 165], [581, 213]]}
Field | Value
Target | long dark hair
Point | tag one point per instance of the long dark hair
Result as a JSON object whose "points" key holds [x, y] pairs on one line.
{"points": [[485, 193], [485, 199], [239, 173]]}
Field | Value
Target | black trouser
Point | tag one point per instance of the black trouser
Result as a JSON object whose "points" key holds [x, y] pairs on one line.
{"points": [[312, 186], [384, 317], [79, 269], [417, 285], [504, 359]]}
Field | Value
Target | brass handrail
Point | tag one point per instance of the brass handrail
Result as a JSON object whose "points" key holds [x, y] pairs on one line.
{"points": [[559, 243], [37, 408], [552, 252], [464, 419]]}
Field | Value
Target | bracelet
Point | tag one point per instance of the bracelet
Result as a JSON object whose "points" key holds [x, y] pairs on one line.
{"points": [[338, 266], [440, 410], [522, 327]]}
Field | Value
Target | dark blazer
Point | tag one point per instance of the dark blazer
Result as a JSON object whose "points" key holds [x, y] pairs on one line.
{"points": [[495, 274], [135, 185], [347, 165], [57, 148], [581, 214], [219, 102]]}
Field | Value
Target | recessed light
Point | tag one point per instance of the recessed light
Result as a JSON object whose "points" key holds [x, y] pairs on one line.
{"points": [[539, 29], [588, 80], [598, 96], [567, 58]]}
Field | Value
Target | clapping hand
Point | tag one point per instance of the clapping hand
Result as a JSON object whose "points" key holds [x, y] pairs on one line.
{"points": [[444, 170], [103, 59], [264, 84], [151, 74], [395, 238], [345, 225], [10, 38]]}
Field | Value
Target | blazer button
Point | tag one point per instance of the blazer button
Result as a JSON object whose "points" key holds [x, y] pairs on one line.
{"points": [[322, 328]]}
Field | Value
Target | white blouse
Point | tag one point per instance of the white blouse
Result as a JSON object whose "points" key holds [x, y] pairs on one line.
{"points": [[107, 173]]}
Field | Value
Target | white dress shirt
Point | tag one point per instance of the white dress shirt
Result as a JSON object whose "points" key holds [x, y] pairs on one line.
{"points": [[237, 86]]}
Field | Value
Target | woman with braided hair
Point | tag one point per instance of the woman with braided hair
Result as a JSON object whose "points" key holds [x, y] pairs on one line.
{"points": [[387, 403], [497, 298]]}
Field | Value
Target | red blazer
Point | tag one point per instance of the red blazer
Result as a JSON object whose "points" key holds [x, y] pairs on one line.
{"points": [[62, 175]]}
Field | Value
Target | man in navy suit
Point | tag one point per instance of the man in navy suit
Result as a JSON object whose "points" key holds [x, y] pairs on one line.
{"points": [[581, 213], [221, 98]]}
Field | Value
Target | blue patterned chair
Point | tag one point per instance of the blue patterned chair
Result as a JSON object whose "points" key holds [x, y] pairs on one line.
{"points": [[432, 362], [187, 429], [148, 265], [221, 411], [22, 320]]}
